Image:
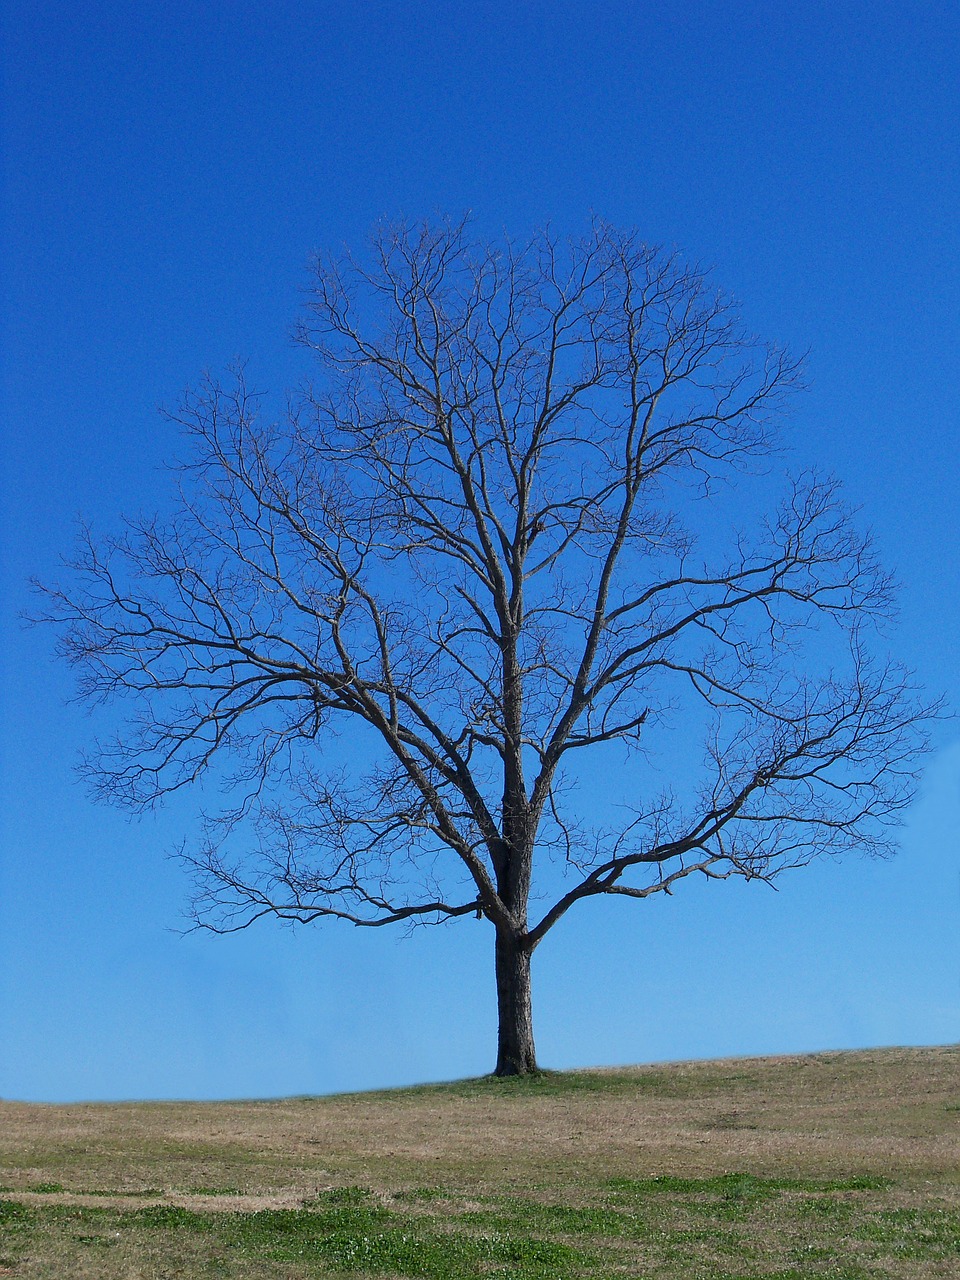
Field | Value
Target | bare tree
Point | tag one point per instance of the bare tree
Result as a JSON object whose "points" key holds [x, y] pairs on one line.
{"points": [[478, 540]]}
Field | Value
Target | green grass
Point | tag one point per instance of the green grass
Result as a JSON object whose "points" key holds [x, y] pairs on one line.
{"points": [[715, 1228], [337, 1239], [556, 1084]]}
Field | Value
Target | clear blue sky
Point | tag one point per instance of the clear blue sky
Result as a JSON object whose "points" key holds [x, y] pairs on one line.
{"points": [[167, 172]]}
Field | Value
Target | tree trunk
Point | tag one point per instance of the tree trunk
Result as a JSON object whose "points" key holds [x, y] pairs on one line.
{"points": [[516, 1054]]}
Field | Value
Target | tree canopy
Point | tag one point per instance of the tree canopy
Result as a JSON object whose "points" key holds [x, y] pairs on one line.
{"points": [[399, 613]]}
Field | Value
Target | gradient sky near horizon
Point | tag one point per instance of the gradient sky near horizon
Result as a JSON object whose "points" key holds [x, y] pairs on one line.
{"points": [[168, 170]]}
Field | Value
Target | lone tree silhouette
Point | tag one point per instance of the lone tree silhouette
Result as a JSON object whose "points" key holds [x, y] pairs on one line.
{"points": [[486, 539]]}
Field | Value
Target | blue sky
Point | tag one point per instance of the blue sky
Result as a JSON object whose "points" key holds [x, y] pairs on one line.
{"points": [[167, 173]]}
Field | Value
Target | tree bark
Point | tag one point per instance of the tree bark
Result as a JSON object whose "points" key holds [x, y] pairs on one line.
{"points": [[516, 1054]]}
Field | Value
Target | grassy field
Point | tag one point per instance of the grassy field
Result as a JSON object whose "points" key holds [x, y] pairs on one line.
{"points": [[842, 1165]]}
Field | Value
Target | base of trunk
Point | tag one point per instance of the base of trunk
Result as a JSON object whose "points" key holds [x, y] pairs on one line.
{"points": [[509, 1067], [516, 1053]]}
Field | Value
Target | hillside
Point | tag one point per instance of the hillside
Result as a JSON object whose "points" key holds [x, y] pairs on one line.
{"points": [[837, 1164]]}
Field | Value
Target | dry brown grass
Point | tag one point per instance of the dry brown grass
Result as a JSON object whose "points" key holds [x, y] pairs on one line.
{"points": [[891, 1113], [882, 1111]]}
